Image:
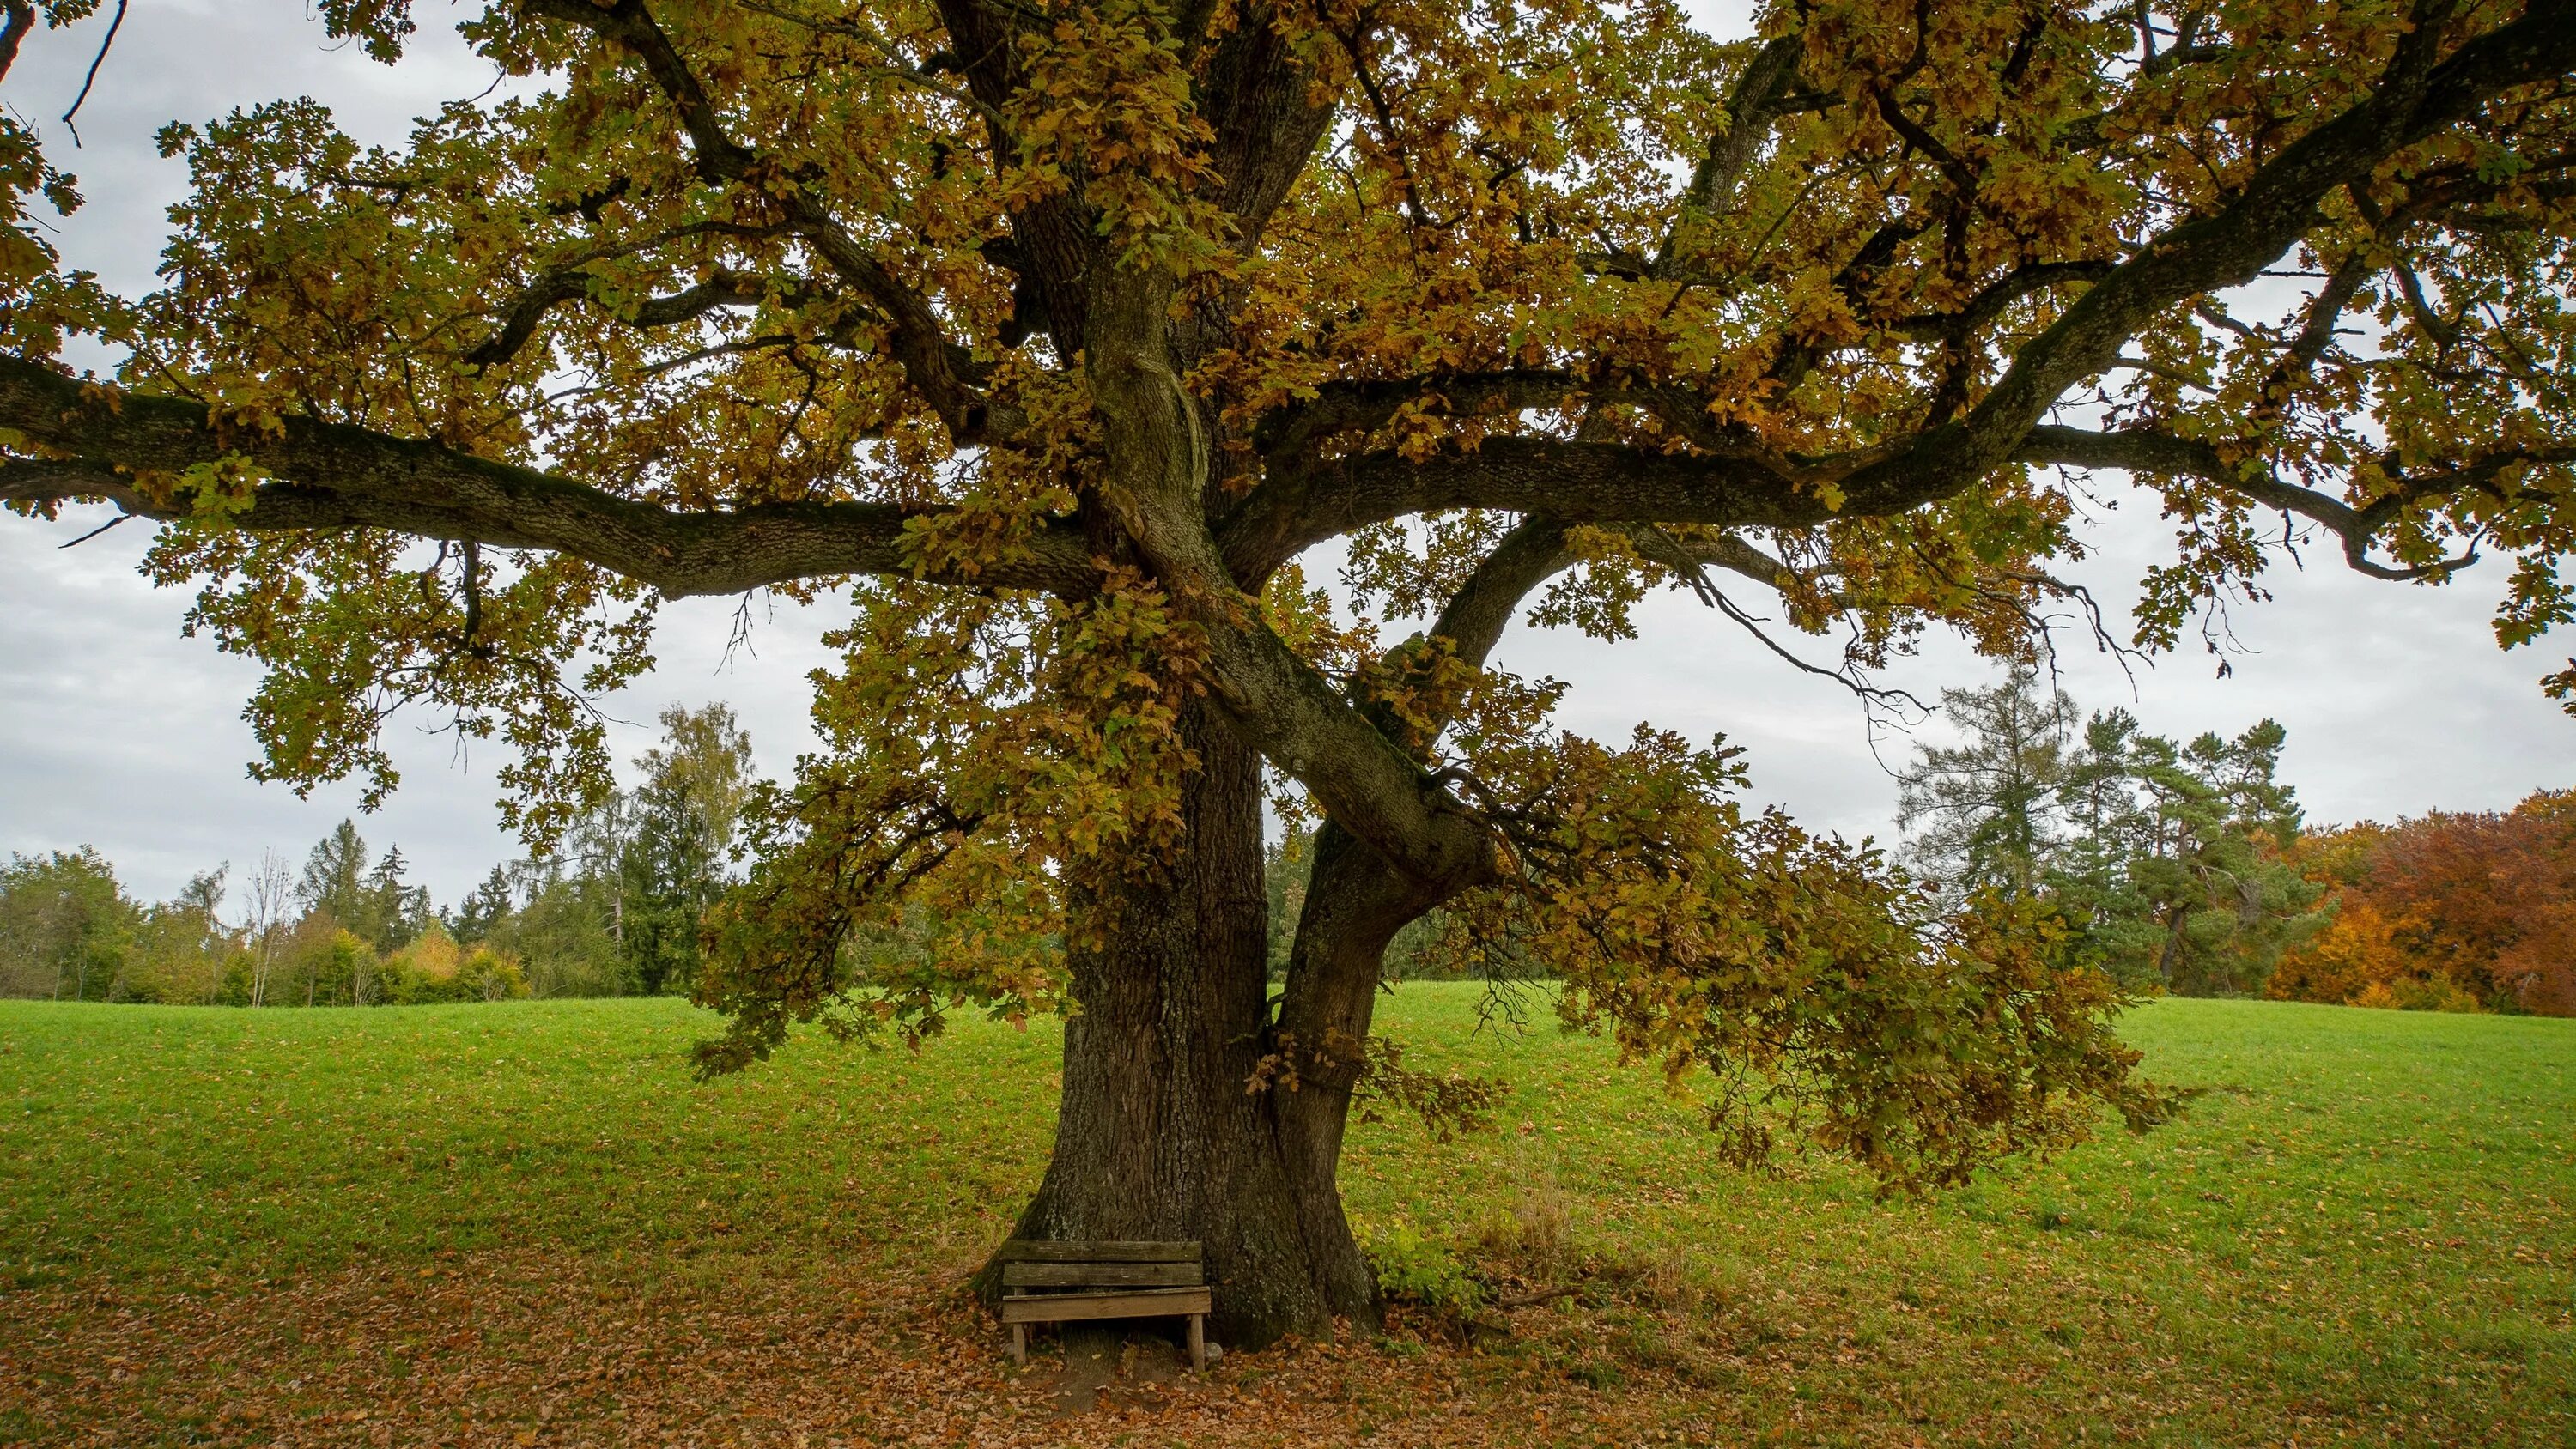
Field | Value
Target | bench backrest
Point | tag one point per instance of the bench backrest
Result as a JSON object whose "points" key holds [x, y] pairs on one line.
{"points": [[1028, 1265]]}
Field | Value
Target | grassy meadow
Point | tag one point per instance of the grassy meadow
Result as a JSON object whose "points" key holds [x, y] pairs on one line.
{"points": [[523, 1224]]}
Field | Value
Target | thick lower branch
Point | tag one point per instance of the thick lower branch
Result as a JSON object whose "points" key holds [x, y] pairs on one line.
{"points": [[127, 448]]}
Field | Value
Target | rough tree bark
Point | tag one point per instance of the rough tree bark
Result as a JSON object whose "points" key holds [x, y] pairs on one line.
{"points": [[1159, 1135], [1354, 906]]}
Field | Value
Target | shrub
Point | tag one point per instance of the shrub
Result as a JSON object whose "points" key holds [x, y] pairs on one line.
{"points": [[1415, 1268], [435, 968]]}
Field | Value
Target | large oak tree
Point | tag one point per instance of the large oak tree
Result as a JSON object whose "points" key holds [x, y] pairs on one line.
{"points": [[1058, 330]]}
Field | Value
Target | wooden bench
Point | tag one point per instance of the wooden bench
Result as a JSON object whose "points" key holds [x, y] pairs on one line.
{"points": [[1066, 1282]]}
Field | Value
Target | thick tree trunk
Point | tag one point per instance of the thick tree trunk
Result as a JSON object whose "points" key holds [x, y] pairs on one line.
{"points": [[1355, 903], [1158, 1136]]}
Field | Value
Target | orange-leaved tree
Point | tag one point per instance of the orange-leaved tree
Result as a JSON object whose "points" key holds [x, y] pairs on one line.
{"points": [[1059, 330], [2452, 910]]}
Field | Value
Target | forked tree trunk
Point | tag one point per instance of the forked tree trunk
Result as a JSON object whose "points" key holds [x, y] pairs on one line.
{"points": [[1158, 1136]]}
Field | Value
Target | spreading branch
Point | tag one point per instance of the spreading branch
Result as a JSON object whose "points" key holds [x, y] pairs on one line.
{"points": [[129, 449], [1585, 481], [2154, 453], [937, 366]]}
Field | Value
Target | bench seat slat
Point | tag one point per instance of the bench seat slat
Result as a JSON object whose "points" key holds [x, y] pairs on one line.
{"points": [[1026, 1250], [1102, 1275], [1071, 1307]]}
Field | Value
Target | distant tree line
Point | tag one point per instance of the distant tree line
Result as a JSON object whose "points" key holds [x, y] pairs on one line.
{"points": [[2179, 866], [614, 913], [2187, 867]]}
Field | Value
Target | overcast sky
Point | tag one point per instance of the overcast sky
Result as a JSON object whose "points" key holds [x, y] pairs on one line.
{"points": [[117, 732]]}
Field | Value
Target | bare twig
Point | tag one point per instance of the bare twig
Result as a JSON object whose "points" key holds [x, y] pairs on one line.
{"points": [[113, 24], [95, 532]]}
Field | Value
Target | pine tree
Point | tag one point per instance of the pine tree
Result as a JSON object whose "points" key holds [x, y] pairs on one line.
{"points": [[335, 876], [681, 825], [2168, 862], [397, 911], [1986, 813], [2216, 883], [483, 909]]}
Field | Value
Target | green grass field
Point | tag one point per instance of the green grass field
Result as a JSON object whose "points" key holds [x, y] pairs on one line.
{"points": [[525, 1224]]}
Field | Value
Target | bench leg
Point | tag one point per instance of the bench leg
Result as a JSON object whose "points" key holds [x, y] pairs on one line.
{"points": [[1198, 1343], [1020, 1344]]}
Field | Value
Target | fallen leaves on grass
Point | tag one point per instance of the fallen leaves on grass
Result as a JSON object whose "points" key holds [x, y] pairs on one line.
{"points": [[520, 1349]]}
